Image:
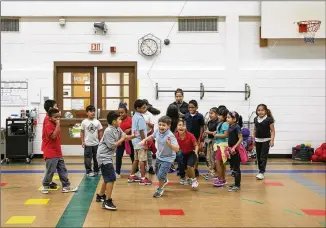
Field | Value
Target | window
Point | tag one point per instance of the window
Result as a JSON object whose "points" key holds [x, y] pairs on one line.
{"points": [[9, 25], [203, 24]]}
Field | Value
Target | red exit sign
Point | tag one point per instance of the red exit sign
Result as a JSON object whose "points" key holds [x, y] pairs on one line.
{"points": [[96, 47]]}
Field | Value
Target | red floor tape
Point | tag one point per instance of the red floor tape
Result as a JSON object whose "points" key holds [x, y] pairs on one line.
{"points": [[172, 212], [273, 184], [314, 212], [3, 184]]}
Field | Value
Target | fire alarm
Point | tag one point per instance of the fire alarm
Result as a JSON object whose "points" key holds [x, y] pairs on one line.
{"points": [[113, 49]]}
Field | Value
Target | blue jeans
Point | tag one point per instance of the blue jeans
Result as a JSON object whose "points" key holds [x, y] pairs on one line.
{"points": [[180, 162], [162, 169]]}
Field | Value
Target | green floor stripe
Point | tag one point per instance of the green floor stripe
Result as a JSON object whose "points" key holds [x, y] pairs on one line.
{"points": [[323, 224], [293, 212], [77, 209], [9, 188], [253, 201], [213, 193]]}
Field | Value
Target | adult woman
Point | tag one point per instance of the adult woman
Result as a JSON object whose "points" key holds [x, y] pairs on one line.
{"points": [[182, 105]]}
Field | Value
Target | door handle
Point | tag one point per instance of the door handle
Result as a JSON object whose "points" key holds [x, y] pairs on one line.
{"points": [[98, 113]]}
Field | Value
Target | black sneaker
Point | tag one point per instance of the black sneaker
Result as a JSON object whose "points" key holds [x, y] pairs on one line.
{"points": [[196, 173], [151, 170], [53, 185], [100, 198], [108, 204], [232, 173]]}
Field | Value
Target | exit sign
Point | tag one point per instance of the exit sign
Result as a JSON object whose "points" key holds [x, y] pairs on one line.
{"points": [[96, 47]]}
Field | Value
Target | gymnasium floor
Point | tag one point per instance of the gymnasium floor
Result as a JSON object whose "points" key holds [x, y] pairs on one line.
{"points": [[292, 195]]}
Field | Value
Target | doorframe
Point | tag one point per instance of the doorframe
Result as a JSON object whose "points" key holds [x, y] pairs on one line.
{"points": [[93, 64]]}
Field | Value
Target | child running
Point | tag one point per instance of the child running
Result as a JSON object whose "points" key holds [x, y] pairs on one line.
{"points": [[112, 138], [234, 140], [264, 135], [166, 153], [189, 148]]}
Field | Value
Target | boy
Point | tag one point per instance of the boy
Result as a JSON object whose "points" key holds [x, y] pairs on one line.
{"points": [[166, 153], [91, 134], [139, 126], [195, 124], [53, 155], [189, 149], [113, 137], [48, 104]]}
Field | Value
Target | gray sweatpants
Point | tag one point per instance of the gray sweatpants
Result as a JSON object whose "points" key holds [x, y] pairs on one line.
{"points": [[149, 159], [52, 165]]}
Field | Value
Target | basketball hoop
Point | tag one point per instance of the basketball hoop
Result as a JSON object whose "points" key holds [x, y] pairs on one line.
{"points": [[308, 29]]}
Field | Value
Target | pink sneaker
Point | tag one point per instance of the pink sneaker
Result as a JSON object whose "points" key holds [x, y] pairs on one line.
{"points": [[220, 183]]}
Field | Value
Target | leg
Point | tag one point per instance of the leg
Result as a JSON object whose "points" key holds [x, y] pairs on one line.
{"points": [[50, 168], [63, 173], [180, 164], [210, 159], [149, 159], [236, 169], [192, 160], [258, 153], [142, 155], [109, 177], [88, 159], [118, 159], [263, 157], [132, 155], [162, 169], [94, 152]]}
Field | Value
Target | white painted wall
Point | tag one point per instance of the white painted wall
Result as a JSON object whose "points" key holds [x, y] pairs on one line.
{"points": [[289, 76]]}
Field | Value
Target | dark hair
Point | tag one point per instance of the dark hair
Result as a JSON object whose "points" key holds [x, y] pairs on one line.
{"points": [[221, 106], [124, 106], [222, 112], [165, 119], [112, 116], [52, 111], [173, 113], [178, 90], [151, 109], [214, 109], [48, 104], [268, 111], [237, 117], [183, 120], [90, 108], [138, 104], [194, 103]]}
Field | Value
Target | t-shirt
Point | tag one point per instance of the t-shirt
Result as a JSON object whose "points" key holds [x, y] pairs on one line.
{"points": [[105, 149], [91, 128], [263, 128], [234, 130], [188, 144], [148, 119], [195, 123], [164, 151], [126, 124], [138, 124], [183, 107], [211, 126], [46, 119], [220, 129], [51, 147]]}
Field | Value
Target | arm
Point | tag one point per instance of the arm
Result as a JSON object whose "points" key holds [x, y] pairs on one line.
{"points": [[128, 131], [272, 128], [82, 137], [56, 131], [173, 144], [100, 134], [149, 138], [222, 136], [237, 144]]}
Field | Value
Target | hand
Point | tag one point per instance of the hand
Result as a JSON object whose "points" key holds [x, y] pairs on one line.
{"points": [[135, 134], [271, 144], [83, 144], [207, 132], [141, 143], [168, 141], [57, 122], [232, 150]]}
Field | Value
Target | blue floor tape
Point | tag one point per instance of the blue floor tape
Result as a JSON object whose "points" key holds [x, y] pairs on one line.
{"points": [[308, 183]]}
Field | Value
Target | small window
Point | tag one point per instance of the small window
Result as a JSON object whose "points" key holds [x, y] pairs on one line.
{"points": [[198, 24], [9, 25]]}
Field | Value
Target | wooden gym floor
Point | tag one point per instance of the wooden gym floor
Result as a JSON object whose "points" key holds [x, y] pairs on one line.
{"points": [[292, 195]]}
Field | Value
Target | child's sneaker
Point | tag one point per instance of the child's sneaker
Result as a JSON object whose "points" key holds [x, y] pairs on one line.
{"points": [[206, 176], [183, 181], [158, 193], [53, 185], [194, 183], [189, 181], [151, 171], [165, 183], [145, 181], [172, 169], [219, 183], [108, 204], [117, 176], [234, 189], [100, 198], [260, 176], [69, 189], [138, 174], [91, 174], [231, 185], [45, 190], [196, 173], [133, 178]]}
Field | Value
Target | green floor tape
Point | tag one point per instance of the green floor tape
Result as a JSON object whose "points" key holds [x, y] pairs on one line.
{"points": [[213, 193], [293, 212], [9, 188], [253, 201], [323, 224], [77, 209]]}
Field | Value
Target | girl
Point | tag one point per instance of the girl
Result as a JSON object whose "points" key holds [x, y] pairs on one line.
{"points": [[148, 116], [209, 143], [264, 135], [234, 140], [126, 128], [221, 139], [173, 113]]}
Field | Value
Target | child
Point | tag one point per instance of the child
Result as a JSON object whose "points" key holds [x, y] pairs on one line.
{"points": [[125, 126], [189, 148], [112, 138], [209, 143], [53, 155], [234, 141], [91, 134], [148, 116], [139, 125], [174, 114], [264, 135], [48, 104], [167, 148], [195, 124], [221, 139]]}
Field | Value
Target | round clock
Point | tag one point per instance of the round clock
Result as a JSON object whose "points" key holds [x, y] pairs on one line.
{"points": [[149, 47]]}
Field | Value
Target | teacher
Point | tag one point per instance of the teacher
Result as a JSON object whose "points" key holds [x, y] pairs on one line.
{"points": [[182, 106]]}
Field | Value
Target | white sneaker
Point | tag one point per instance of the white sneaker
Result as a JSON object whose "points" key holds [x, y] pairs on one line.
{"points": [[45, 190], [194, 183], [260, 176], [91, 174], [117, 176], [69, 189]]}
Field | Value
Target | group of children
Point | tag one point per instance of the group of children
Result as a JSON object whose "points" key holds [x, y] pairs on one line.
{"points": [[176, 139]]}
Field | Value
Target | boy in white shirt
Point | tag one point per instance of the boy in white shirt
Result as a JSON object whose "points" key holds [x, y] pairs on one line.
{"points": [[91, 134]]}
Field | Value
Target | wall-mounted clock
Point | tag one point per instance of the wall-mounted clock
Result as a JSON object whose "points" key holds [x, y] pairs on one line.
{"points": [[149, 45]]}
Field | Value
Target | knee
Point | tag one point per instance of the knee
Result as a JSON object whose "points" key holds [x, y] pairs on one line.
{"points": [[161, 176]]}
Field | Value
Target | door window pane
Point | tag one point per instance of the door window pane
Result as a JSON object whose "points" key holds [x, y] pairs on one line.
{"points": [[67, 78], [115, 91], [81, 78], [125, 78], [111, 78], [75, 104], [111, 104], [76, 91]]}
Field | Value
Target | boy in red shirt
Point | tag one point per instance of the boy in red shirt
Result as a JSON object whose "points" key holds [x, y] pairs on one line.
{"points": [[51, 145], [189, 149]]}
